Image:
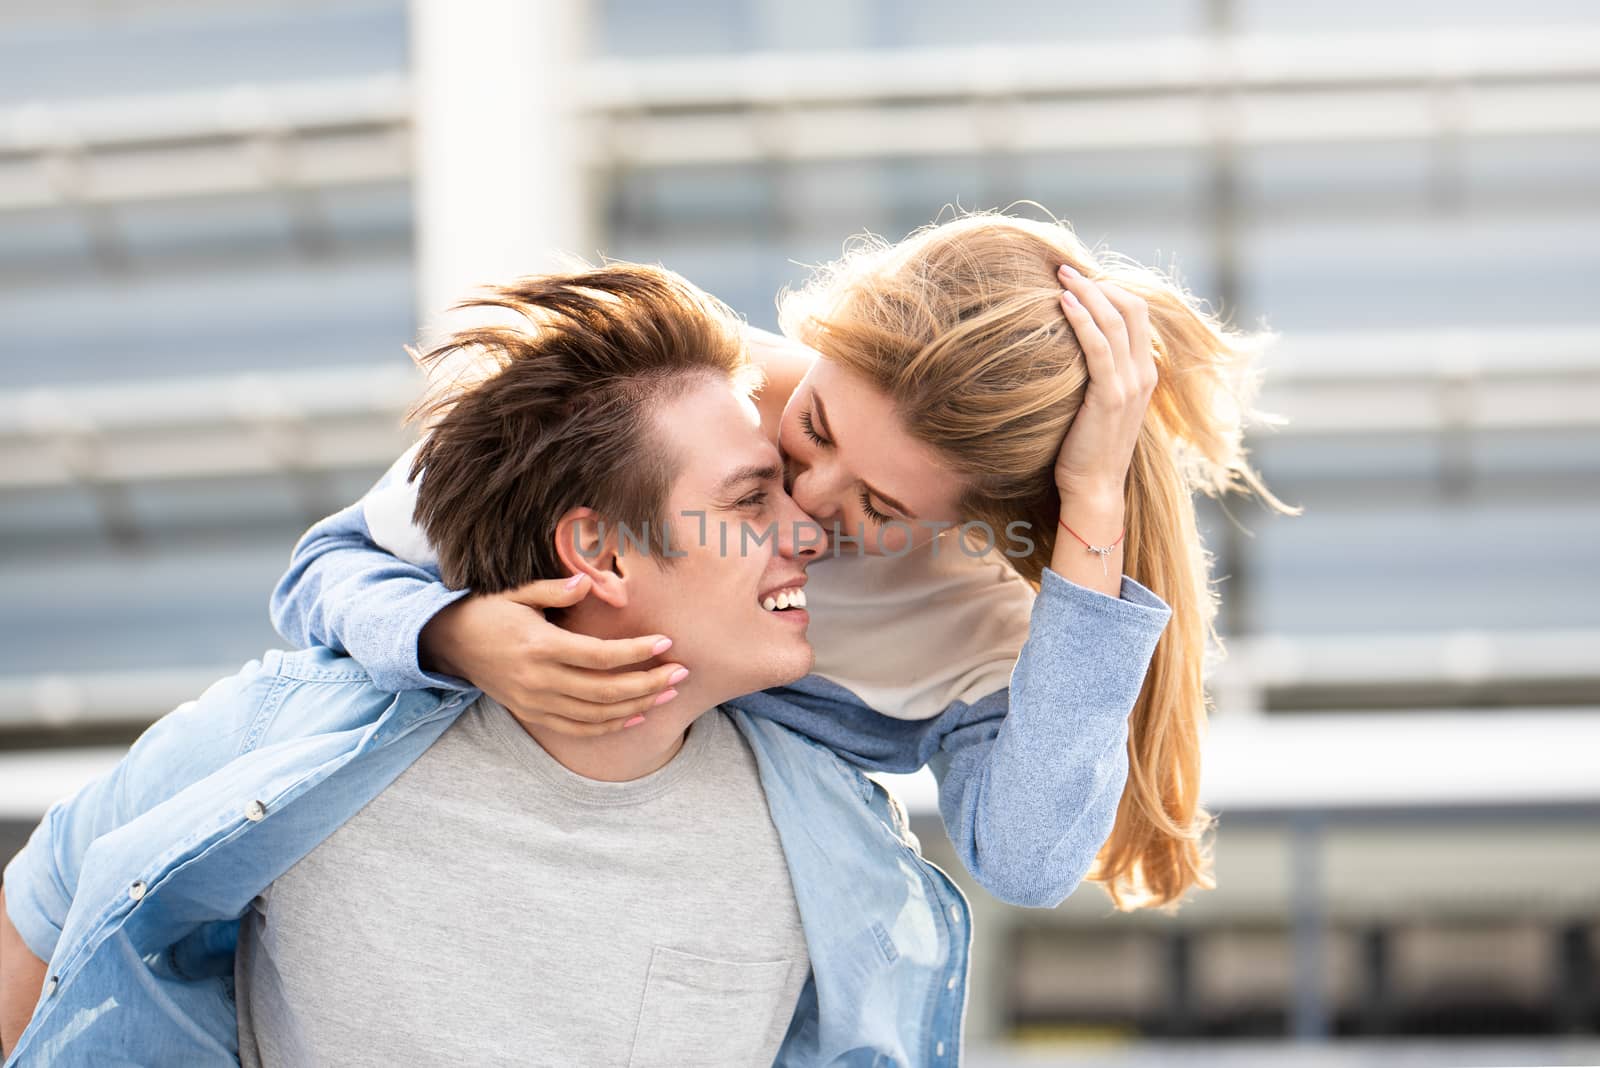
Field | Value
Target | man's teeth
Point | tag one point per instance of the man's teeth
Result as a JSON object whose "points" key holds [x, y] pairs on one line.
{"points": [[785, 599]]}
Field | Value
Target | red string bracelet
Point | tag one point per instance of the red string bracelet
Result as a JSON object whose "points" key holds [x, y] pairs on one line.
{"points": [[1103, 550]]}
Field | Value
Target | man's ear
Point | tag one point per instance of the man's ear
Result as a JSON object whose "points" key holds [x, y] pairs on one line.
{"points": [[587, 545]]}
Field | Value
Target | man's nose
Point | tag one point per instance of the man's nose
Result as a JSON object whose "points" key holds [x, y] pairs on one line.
{"points": [[800, 537]]}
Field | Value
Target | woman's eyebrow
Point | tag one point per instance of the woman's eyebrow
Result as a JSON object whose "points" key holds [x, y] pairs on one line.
{"points": [[822, 415], [890, 501], [827, 432]]}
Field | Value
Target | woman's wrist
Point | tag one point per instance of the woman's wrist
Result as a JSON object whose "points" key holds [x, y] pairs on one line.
{"points": [[434, 642], [1103, 510], [1089, 540]]}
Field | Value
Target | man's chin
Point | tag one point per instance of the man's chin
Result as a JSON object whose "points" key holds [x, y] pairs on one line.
{"points": [[804, 666], [789, 666]]}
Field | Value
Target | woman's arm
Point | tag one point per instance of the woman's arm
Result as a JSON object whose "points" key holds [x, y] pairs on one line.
{"points": [[1030, 780], [365, 581], [347, 590], [1030, 777]]}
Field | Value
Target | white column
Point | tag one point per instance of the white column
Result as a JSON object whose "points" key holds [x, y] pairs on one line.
{"points": [[499, 180]]}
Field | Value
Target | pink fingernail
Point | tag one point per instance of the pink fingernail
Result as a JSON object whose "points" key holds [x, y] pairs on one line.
{"points": [[572, 583], [661, 646], [677, 676], [666, 695], [1068, 298], [634, 722]]}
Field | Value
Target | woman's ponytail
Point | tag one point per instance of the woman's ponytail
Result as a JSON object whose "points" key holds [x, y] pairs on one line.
{"points": [[1192, 441]]}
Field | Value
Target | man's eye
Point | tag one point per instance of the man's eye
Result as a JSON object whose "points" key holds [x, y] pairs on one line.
{"points": [[755, 500]]}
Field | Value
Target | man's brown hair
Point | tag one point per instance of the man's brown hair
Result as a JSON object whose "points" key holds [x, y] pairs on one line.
{"points": [[565, 419]]}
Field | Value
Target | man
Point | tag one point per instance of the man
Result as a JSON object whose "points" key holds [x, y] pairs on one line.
{"points": [[422, 879]]}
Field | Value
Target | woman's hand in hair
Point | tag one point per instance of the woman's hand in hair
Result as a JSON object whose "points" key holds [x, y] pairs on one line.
{"points": [[1113, 329], [546, 676]]}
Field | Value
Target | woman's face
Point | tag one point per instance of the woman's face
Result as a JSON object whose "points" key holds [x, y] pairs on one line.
{"points": [[850, 463]]}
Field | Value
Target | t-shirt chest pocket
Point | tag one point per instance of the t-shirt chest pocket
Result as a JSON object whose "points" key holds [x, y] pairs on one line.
{"points": [[703, 1013]]}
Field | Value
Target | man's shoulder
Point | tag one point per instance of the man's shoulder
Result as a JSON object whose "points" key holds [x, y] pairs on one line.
{"points": [[765, 734], [308, 691], [317, 664]]}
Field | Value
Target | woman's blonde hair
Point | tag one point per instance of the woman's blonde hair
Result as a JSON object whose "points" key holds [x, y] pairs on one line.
{"points": [[961, 325]]}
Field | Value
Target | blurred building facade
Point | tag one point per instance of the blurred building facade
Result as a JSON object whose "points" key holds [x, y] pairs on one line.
{"points": [[210, 258]]}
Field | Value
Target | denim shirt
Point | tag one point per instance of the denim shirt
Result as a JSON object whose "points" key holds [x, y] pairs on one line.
{"points": [[134, 888]]}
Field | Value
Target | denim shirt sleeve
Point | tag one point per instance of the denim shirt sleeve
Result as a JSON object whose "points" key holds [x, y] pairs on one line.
{"points": [[182, 747], [1030, 779], [348, 591]]}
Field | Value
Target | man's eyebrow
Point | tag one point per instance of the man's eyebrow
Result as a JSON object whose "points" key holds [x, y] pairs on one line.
{"points": [[827, 432], [770, 472]]}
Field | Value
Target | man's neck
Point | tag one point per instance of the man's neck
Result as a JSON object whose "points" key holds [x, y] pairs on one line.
{"points": [[631, 752], [621, 755]]}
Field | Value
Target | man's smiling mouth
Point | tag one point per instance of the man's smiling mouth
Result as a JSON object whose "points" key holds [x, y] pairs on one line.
{"points": [[782, 600]]}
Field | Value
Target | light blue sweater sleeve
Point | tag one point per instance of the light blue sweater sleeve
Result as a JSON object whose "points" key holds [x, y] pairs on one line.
{"points": [[1030, 777], [1030, 781]]}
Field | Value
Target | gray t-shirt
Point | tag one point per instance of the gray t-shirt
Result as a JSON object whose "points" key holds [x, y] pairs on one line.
{"points": [[492, 907]]}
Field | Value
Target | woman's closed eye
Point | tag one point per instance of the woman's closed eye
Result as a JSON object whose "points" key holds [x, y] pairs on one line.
{"points": [[878, 518], [810, 428]]}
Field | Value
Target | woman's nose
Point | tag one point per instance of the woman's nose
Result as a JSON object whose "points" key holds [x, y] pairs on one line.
{"points": [[811, 492]]}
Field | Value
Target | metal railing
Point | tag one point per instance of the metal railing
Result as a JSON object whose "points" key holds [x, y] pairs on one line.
{"points": [[232, 426], [249, 138], [1335, 386], [1179, 92], [1364, 758]]}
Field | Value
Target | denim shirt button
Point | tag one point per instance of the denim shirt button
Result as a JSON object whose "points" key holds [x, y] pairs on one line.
{"points": [[938, 1049], [50, 989], [255, 812], [136, 891], [951, 984], [955, 913]]}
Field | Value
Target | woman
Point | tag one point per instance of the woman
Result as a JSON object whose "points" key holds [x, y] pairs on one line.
{"points": [[989, 371]]}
